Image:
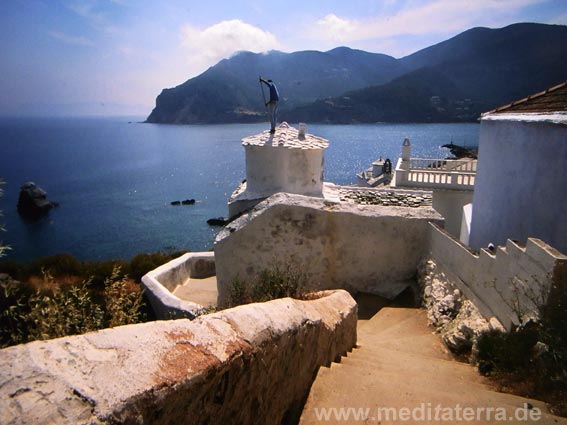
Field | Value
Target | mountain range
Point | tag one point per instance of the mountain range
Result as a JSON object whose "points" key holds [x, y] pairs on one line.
{"points": [[455, 80]]}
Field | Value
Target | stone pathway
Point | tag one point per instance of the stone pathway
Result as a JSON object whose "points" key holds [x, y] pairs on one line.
{"points": [[401, 372]]}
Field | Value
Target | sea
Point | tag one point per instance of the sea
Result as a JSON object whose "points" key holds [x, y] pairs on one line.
{"points": [[115, 177]]}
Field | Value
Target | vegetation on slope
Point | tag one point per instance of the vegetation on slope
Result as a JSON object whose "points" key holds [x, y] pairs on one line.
{"points": [[58, 295], [532, 360]]}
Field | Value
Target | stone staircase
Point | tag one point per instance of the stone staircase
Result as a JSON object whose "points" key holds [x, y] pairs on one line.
{"points": [[400, 372]]}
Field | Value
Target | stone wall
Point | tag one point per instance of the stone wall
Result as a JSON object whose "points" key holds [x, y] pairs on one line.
{"points": [[372, 249], [252, 364], [503, 284], [160, 283]]}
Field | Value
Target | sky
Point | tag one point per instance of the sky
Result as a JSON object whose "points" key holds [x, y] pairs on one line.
{"points": [[113, 57]]}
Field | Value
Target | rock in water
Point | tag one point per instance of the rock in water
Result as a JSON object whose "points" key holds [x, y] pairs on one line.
{"points": [[219, 221], [33, 202], [185, 202], [461, 151]]}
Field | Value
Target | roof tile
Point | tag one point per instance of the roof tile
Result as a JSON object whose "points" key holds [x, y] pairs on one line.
{"points": [[286, 136], [553, 99]]}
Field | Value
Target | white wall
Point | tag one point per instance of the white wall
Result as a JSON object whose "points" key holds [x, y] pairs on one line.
{"points": [[466, 224], [372, 249], [521, 185], [450, 203], [272, 169]]}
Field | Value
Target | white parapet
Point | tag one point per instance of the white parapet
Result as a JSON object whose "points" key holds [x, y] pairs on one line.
{"points": [[505, 283], [159, 284], [214, 369]]}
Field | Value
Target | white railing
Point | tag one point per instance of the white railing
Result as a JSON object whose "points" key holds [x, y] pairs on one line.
{"points": [[466, 165], [436, 173]]}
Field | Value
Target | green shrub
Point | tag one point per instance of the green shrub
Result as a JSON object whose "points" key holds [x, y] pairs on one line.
{"points": [[271, 283], [13, 310], [123, 306], [99, 271], [28, 315], [143, 263], [64, 312], [506, 352], [535, 354], [238, 293], [57, 265], [60, 265], [553, 315]]}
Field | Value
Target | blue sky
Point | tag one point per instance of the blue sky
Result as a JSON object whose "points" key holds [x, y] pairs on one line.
{"points": [[115, 56]]}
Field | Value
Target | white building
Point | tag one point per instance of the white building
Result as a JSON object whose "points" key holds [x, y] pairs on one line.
{"points": [[521, 184], [287, 161]]}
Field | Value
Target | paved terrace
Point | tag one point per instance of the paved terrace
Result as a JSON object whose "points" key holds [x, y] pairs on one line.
{"points": [[392, 198]]}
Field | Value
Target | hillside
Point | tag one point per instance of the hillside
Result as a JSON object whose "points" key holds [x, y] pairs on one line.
{"points": [[455, 80], [229, 91]]}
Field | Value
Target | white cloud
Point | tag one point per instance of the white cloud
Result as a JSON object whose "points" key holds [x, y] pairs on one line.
{"points": [[91, 11], [70, 39], [207, 46], [337, 29], [437, 17]]}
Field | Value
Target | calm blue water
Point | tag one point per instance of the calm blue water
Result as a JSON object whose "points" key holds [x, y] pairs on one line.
{"points": [[114, 180]]}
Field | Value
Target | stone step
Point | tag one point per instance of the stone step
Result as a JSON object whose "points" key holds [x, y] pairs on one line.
{"points": [[369, 305], [399, 363], [411, 364], [414, 325], [349, 385], [380, 395], [429, 345], [365, 368], [385, 318]]}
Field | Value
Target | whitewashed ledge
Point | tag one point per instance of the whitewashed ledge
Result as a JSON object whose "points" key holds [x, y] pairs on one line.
{"points": [[160, 283], [252, 364]]}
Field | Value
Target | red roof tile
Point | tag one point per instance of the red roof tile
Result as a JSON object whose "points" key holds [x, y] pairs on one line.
{"points": [[553, 99]]}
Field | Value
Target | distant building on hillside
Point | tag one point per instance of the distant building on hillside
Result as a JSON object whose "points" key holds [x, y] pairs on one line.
{"points": [[521, 184]]}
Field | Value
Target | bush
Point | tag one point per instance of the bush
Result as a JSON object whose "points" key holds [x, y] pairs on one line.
{"points": [[57, 265], [143, 263], [272, 283], [28, 315], [62, 313], [506, 352], [123, 306], [535, 354], [13, 310], [61, 265]]}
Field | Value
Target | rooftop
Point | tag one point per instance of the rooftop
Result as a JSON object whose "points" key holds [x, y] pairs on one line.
{"points": [[551, 100], [287, 137]]}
